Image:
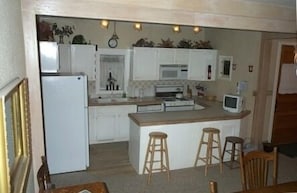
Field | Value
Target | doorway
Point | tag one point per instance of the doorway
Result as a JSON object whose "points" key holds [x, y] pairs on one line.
{"points": [[284, 129]]}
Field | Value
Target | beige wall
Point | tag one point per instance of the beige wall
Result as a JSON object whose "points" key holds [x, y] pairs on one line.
{"points": [[12, 54], [245, 47]]}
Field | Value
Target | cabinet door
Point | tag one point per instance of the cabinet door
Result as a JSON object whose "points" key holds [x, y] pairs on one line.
{"points": [[145, 66], [123, 121], [181, 56], [173, 56], [166, 56], [65, 57], [109, 123], [83, 59], [105, 126], [199, 63], [92, 125]]}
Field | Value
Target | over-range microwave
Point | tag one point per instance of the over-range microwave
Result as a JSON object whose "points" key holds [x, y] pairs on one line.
{"points": [[173, 72]]}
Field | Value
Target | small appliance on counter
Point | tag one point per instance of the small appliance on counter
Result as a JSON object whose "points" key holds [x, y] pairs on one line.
{"points": [[233, 103]]}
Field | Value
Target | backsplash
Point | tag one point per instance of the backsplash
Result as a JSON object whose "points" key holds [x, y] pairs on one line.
{"points": [[134, 87]]}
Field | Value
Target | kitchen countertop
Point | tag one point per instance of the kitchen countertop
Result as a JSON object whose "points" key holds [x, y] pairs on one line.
{"points": [[124, 101], [213, 112]]}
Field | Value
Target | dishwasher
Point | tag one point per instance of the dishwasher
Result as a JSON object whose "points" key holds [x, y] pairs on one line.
{"points": [[150, 108]]}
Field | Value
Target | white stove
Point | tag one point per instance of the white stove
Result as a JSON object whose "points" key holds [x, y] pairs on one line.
{"points": [[170, 102]]}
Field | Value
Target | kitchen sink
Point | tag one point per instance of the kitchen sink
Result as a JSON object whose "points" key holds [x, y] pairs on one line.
{"points": [[111, 100]]}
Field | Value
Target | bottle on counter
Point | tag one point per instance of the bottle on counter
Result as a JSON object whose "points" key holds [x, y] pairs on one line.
{"points": [[189, 92]]}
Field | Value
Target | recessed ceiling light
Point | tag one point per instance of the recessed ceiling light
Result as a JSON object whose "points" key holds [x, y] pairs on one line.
{"points": [[176, 28], [104, 24], [137, 26], [196, 29]]}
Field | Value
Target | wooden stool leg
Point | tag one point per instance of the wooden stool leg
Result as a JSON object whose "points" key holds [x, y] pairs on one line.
{"points": [[199, 149], [220, 152], [167, 160], [146, 155], [208, 152], [225, 145], [151, 161], [232, 155]]}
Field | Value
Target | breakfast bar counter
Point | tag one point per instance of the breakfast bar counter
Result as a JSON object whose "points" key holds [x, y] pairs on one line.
{"points": [[184, 130], [213, 112]]}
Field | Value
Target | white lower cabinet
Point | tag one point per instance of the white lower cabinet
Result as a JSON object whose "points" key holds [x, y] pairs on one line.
{"points": [[109, 123]]}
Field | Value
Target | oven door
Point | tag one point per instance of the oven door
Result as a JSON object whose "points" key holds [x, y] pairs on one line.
{"points": [[150, 108], [179, 108]]}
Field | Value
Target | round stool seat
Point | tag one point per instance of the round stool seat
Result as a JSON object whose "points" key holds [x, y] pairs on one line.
{"points": [[159, 135], [211, 130], [233, 139]]}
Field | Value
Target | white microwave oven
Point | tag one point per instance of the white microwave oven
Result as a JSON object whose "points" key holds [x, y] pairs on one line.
{"points": [[232, 103], [173, 72]]}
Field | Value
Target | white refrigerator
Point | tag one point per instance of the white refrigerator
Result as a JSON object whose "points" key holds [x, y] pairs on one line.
{"points": [[65, 111]]}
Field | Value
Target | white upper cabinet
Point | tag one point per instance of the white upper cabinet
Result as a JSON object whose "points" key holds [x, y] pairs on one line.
{"points": [[182, 56], [83, 59], [65, 57], [201, 62], [145, 66], [173, 56], [77, 58], [202, 65]]}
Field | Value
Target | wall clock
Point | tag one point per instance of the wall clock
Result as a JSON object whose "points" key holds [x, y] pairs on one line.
{"points": [[113, 41]]}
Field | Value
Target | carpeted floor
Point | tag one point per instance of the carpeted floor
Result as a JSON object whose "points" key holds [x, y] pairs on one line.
{"points": [[109, 163]]}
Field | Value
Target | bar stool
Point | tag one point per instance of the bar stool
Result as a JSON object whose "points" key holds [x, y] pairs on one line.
{"points": [[237, 147], [211, 144], [157, 144]]}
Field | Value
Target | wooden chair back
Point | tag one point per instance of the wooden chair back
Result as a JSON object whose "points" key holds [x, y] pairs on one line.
{"points": [[43, 176], [213, 187], [254, 168]]}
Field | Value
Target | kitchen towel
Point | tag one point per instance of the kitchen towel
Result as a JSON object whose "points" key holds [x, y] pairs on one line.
{"points": [[288, 79]]}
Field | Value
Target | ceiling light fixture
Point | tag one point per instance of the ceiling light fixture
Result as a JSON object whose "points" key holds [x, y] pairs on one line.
{"points": [[176, 29], [137, 26], [196, 29], [104, 24]]}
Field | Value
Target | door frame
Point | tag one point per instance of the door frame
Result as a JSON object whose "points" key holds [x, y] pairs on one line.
{"points": [[276, 49]]}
